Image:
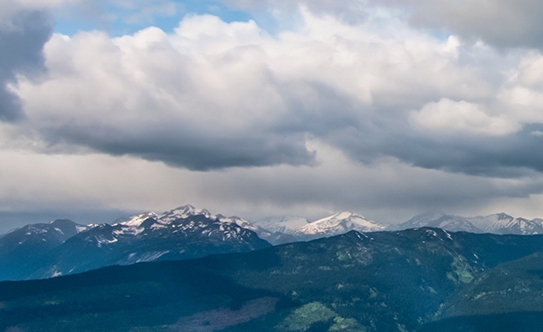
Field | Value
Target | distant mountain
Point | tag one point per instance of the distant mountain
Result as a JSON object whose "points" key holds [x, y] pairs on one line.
{"points": [[182, 233], [23, 250], [336, 224], [286, 225], [440, 220], [382, 281], [265, 230], [502, 223], [294, 229], [499, 223], [63, 247]]}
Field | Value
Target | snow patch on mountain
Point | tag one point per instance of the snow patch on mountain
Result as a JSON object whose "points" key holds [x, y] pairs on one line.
{"points": [[184, 212], [136, 221], [238, 221]]}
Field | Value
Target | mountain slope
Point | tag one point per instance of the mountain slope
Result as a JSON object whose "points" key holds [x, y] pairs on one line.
{"points": [[505, 298], [382, 281], [510, 287], [23, 250]]}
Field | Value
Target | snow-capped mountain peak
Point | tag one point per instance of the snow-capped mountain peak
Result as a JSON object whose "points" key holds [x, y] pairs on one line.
{"points": [[238, 221], [339, 223], [152, 221], [503, 216], [183, 212], [426, 218], [136, 221]]}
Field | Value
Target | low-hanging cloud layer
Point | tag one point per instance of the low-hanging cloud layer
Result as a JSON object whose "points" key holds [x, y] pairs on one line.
{"points": [[426, 107]]}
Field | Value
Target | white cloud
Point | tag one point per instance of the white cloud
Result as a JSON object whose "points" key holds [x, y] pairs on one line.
{"points": [[521, 96], [449, 117], [214, 94], [531, 71]]}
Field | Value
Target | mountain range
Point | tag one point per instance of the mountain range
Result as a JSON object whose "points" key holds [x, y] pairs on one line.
{"points": [[63, 247], [499, 223], [424, 279], [190, 270], [295, 229]]}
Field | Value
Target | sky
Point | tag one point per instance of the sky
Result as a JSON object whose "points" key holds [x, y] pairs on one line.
{"points": [[262, 108]]}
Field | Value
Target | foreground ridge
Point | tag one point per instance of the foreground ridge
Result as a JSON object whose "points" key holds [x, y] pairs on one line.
{"points": [[372, 281]]}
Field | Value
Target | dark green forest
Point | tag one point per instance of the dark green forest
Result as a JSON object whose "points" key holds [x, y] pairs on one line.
{"points": [[413, 280]]}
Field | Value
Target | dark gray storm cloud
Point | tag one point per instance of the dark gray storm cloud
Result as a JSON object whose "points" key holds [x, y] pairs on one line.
{"points": [[21, 44], [511, 156], [199, 151]]}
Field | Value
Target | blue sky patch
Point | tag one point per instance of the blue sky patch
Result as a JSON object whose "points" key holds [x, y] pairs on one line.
{"points": [[119, 20]]}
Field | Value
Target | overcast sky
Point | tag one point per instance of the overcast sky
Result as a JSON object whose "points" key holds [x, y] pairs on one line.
{"points": [[263, 108]]}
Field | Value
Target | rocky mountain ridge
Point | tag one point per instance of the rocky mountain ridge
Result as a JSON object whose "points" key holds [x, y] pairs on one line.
{"points": [[181, 233], [63, 247]]}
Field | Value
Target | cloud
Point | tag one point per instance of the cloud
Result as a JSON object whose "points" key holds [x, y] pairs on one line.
{"points": [[214, 95], [22, 37], [448, 117], [386, 191], [502, 23], [142, 96]]}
